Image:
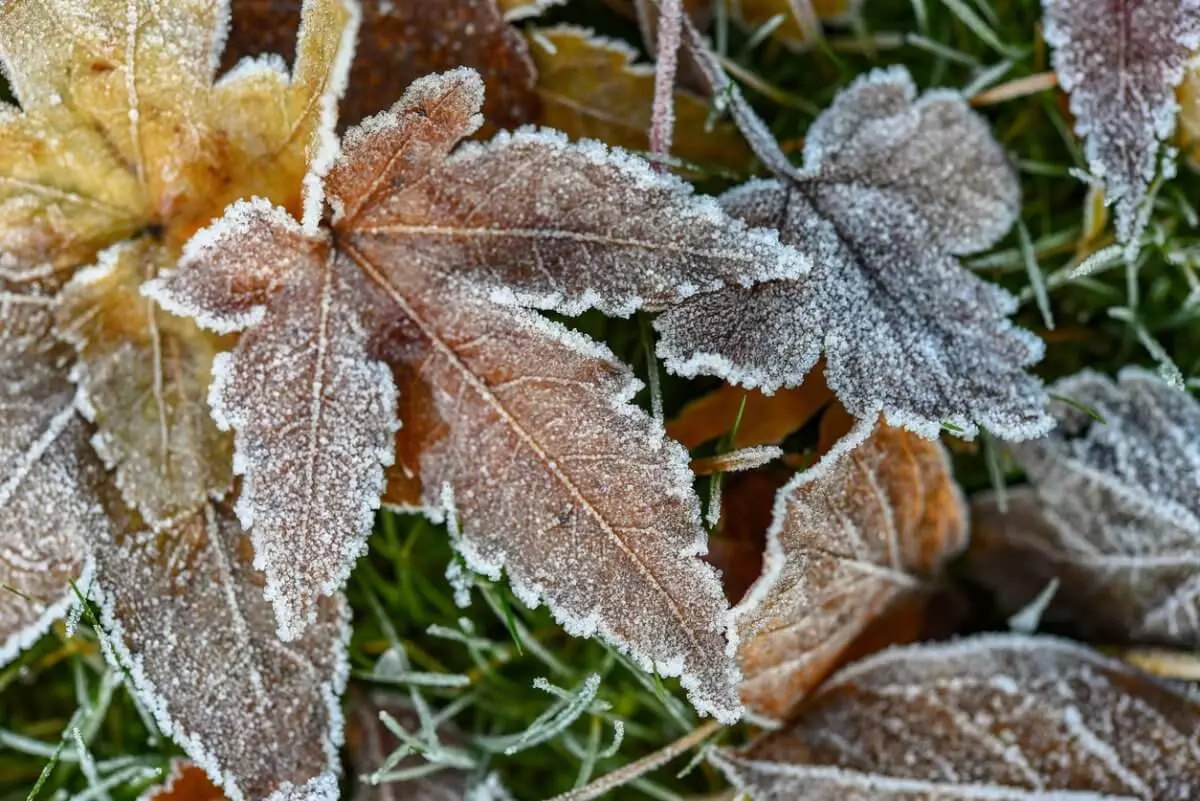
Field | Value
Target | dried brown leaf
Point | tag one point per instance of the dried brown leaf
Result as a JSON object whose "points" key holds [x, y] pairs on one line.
{"points": [[590, 87], [186, 782], [535, 456], [1113, 514], [1120, 62], [48, 474], [795, 30], [143, 377], [1005, 718], [402, 41], [852, 538], [184, 614]]}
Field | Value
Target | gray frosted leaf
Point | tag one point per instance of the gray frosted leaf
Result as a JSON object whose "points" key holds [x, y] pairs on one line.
{"points": [[1120, 61], [893, 190], [1113, 513], [184, 613], [314, 415], [1001, 718], [48, 474]]}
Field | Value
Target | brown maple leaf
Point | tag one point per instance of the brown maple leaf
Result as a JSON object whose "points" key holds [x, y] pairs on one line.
{"points": [[527, 444], [993, 717]]}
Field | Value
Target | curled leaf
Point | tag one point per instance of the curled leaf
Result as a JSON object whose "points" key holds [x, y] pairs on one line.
{"points": [[184, 613], [995, 717], [1112, 513], [894, 187], [1120, 62], [852, 538]]}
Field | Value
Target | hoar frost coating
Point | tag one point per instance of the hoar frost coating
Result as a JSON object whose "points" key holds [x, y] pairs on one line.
{"points": [[1120, 61], [988, 718], [513, 425], [893, 189]]}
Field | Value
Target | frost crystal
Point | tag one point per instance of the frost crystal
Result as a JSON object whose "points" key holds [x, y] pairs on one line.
{"points": [[994, 718], [186, 616], [1113, 514], [516, 429], [893, 189], [1120, 61], [851, 539]]}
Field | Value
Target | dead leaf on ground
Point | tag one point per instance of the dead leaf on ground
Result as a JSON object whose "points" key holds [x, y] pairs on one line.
{"points": [[1120, 63], [538, 460], [400, 42], [852, 538], [1112, 513], [894, 188], [186, 782], [997, 717]]}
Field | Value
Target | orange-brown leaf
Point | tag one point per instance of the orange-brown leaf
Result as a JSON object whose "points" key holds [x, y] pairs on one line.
{"points": [[766, 419], [852, 537], [187, 782]]}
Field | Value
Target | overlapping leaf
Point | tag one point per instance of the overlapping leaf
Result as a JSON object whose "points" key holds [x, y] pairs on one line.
{"points": [[851, 538], [996, 717], [185, 614], [402, 41], [123, 140], [590, 87], [186, 782], [1113, 514], [48, 473], [1121, 61], [529, 444], [893, 188]]}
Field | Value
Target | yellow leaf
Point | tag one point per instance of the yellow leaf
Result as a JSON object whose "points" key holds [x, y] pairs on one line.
{"points": [[146, 375], [590, 88]]}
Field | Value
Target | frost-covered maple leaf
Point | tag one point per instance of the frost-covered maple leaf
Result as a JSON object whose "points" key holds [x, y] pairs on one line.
{"points": [[852, 538], [522, 433], [1112, 513], [1003, 718], [893, 189], [1120, 61]]}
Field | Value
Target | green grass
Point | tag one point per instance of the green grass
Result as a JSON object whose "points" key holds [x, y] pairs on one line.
{"points": [[1116, 316]]}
